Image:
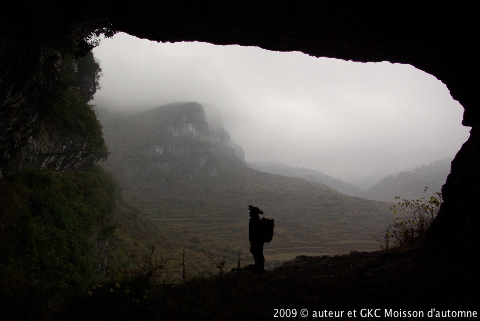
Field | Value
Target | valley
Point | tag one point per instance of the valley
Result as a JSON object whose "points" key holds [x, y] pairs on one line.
{"points": [[188, 180]]}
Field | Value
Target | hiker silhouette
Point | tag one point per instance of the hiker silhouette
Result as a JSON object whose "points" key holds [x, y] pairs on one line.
{"points": [[255, 236]]}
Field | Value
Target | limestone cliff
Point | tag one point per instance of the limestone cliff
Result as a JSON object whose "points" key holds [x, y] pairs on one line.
{"points": [[36, 46], [37, 118], [171, 140]]}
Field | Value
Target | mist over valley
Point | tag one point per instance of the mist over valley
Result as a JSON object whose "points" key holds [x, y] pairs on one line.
{"points": [[190, 179], [358, 122]]}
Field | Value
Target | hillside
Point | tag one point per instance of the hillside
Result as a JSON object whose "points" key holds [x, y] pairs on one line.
{"points": [[307, 174], [187, 178], [411, 184], [407, 184]]}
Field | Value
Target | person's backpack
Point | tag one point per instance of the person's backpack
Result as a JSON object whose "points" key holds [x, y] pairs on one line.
{"points": [[267, 229]]}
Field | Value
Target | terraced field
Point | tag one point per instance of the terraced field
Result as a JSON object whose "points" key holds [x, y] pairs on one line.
{"points": [[310, 221]]}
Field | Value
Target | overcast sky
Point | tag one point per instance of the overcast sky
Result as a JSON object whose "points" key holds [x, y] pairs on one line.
{"points": [[346, 119]]}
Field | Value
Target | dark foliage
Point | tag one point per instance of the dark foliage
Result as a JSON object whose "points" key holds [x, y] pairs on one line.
{"points": [[66, 109], [48, 227], [85, 76]]}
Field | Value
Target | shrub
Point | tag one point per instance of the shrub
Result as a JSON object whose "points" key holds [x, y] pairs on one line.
{"points": [[417, 215]]}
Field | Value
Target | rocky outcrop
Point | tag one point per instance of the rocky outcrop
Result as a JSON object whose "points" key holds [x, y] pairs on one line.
{"points": [[59, 151], [25, 80], [171, 140], [28, 140], [35, 41]]}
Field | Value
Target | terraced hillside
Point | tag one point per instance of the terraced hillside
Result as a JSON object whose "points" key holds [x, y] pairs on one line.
{"points": [[186, 177]]}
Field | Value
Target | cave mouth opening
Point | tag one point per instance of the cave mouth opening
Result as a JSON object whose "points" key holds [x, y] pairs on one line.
{"points": [[355, 121]]}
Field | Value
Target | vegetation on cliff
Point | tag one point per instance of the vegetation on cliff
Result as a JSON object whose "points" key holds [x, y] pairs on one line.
{"points": [[414, 218], [66, 109], [49, 225]]}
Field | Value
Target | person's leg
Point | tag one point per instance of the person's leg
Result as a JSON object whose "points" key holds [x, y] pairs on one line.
{"points": [[261, 258], [254, 254], [257, 251]]}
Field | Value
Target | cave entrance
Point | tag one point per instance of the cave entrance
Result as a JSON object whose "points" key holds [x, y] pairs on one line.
{"points": [[354, 121]]}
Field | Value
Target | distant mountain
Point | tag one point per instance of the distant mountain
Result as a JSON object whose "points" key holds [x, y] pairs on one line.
{"points": [[172, 143], [437, 166], [187, 176], [307, 174], [411, 184]]}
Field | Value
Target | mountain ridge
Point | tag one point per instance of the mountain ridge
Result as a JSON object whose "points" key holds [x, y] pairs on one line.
{"points": [[307, 174], [411, 184]]}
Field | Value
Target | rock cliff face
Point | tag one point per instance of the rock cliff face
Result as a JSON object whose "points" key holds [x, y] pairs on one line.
{"points": [[35, 41], [28, 136], [169, 141], [439, 39], [61, 151], [24, 82]]}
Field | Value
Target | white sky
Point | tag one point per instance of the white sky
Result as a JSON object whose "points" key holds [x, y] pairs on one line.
{"points": [[346, 119]]}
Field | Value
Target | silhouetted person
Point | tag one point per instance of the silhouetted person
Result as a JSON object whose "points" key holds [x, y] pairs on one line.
{"points": [[256, 239]]}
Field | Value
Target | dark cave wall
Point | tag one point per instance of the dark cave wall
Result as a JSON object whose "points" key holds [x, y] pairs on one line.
{"points": [[456, 229], [439, 39]]}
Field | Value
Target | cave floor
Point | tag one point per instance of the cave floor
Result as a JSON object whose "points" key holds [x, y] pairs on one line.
{"points": [[396, 281], [388, 283]]}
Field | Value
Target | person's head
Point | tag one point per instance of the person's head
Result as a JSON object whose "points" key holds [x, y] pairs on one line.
{"points": [[254, 210]]}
